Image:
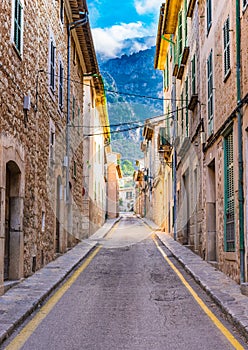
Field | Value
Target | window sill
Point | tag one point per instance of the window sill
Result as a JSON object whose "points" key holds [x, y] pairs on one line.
{"points": [[230, 256]]}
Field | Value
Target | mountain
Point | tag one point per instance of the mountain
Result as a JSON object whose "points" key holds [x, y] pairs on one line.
{"points": [[133, 90]]}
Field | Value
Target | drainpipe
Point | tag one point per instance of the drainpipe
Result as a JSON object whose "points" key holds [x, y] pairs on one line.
{"points": [[240, 147]]}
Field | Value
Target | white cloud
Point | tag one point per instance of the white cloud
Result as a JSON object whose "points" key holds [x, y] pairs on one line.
{"points": [[109, 42], [147, 6]]}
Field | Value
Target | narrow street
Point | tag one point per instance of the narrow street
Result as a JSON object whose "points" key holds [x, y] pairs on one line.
{"points": [[127, 297]]}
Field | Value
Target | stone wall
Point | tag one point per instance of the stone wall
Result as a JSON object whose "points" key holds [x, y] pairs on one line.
{"points": [[27, 74]]}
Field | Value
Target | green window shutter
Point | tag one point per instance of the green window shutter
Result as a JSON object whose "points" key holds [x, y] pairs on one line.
{"points": [[209, 14], [168, 121], [229, 210], [73, 109], [185, 23], [193, 76], [182, 115], [187, 102], [226, 36], [61, 11], [75, 169], [79, 112], [52, 65], [18, 25], [61, 81], [172, 46], [166, 73], [210, 93], [180, 36]]}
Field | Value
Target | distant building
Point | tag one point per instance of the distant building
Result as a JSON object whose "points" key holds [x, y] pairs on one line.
{"points": [[127, 194], [113, 173]]}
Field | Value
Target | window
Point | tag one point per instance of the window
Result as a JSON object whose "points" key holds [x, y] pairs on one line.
{"points": [[43, 221], [52, 144], [209, 14], [226, 35], [75, 169], [210, 92], [180, 35], [182, 115], [193, 76], [166, 73], [187, 102], [18, 25], [61, 11], [185, 23], [129, 195], [229, 194], [52, 65], [61, 85], [79, 113], [73, 109]]}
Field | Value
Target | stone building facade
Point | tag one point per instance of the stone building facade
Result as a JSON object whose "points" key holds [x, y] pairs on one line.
{"points": [[40, 141], [114, 173], [202, 49]]}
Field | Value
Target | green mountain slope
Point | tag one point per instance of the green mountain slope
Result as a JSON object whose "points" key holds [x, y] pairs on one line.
{"points": [[133, 90]]}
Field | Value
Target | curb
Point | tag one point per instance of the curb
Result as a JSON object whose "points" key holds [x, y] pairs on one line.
{"points": [[221, 288]]}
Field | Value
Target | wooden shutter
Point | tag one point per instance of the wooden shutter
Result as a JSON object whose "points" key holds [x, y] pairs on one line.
{"points": [[229, 209], [18, 25], [187, 102], [210, 92], [52, 65], [180, 36], [209, 14], [193, 76], [226, 35], [61, 80]]}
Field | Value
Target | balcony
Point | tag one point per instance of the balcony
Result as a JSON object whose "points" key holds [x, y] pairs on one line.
{"points": [[148, 131], [164, 146], [193, 102]]}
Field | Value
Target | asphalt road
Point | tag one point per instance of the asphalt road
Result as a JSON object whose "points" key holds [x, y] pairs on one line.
{"points": [[128, 297]]}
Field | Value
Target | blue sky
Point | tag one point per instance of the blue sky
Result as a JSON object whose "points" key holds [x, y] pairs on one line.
{"points": [[114, 21]]}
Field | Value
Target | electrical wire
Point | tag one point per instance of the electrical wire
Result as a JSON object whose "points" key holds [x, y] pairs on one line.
{"points": [[119, 92], [132, 128]]}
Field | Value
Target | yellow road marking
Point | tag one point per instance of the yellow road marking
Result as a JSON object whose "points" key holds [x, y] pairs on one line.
{"points": [[204, 307], [28, 330], [109, 235]]}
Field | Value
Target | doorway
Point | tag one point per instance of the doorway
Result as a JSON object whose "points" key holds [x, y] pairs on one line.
{"points": [[58, 214], [13, 242], [211, 213], [186, 209]]}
